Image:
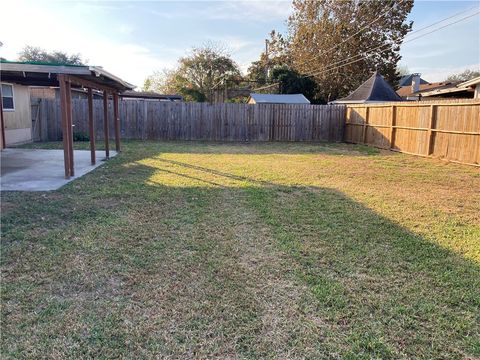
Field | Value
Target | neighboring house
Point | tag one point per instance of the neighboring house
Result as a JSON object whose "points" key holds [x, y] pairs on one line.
{"points": [[457, 90], [277, 99], [16, 110], [374, 90], [418, 90], [409, 86], [473, 84], [407, 80], [414, 86]]}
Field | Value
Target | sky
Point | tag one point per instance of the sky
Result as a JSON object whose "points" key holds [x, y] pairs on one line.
{"points": [[132, 39]]}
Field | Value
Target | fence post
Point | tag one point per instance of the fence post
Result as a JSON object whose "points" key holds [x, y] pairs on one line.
{"points": [[365, 124], [430, 127], [392, 126], [145, 114]]}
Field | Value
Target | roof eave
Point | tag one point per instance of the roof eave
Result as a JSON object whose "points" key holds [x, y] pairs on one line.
{"points": [[444, 91], [98, 71], [471, 82]]}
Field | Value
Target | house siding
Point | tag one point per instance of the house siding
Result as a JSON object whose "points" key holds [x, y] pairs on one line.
{"points": [[18, 122]]}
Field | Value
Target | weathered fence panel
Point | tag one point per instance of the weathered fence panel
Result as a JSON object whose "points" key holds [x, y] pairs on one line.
{"points": [[445, 129], [153, 120], [448, 130]]}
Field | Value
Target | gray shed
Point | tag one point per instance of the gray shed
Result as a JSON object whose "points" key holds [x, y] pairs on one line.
{"points": [[277, 99]]}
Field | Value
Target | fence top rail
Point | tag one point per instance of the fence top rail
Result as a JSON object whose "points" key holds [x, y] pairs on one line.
{"points": [[416, 104], [192, 103]]}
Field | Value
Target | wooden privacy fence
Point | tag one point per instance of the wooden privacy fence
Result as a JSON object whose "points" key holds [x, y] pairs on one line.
{"points": [[154, 120], [447, 130]]}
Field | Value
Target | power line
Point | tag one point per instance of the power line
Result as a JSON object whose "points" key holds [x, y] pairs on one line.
{"points": [[438, 22], [267, 86], [413, 32], [388, 46], [351, 36]]}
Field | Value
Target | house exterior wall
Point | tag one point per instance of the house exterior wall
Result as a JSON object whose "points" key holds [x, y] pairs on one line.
{"points": [[18, 122]]}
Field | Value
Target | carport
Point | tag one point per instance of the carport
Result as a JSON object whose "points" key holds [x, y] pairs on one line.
{"points": [[65, 77]]}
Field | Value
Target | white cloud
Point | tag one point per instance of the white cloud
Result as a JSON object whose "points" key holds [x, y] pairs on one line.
{"points": [[249, 10], [240, 10], [70, 27], [126, 59]]}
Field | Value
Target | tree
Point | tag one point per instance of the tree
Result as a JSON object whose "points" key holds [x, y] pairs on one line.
{"points": [[37, 54], [333, 41], [402, 70], [464, 76], [160, 82], [291, 82], [197, 75]]}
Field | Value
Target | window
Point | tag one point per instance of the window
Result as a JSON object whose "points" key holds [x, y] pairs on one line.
{"points": [[7, 97]]}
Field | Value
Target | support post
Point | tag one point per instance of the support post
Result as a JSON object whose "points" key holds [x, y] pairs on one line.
{"points": [[430, 127], [365, 124], [91, 126], [2, 123], [105, 123], [116, 122], [63, 111], [70, 125], [392, 126]]}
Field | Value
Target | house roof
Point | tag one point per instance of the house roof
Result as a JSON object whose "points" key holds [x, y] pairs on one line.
{"points": [[471, 82], [150, 95], [279, 98], [45, 74], [406, 80], [374, 89], [439, 88], [406, 91], [450, 88]]}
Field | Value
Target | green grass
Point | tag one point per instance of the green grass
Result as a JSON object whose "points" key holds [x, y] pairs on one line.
{"points": [[180, 249]]}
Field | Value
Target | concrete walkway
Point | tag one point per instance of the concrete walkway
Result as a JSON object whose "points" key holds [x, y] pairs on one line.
{"points": [[42, 170]]}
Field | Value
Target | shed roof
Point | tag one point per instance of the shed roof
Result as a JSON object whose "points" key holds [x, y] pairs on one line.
{"points": [[45, 74], [279, 98], [374, 89], [151, 95]]}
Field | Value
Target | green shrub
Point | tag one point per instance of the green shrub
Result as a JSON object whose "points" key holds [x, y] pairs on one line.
{"points": [[80, 136]]}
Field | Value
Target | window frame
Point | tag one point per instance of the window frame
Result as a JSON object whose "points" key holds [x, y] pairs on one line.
{"points": [[13, 96]]}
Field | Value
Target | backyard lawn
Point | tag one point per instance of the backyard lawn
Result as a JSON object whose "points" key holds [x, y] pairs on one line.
{"points": [[202, 250]]}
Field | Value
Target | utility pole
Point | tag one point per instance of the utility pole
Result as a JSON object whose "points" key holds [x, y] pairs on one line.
{"points": [[266, 60]]}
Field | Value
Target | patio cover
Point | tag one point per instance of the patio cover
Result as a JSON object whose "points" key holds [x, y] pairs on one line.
{"points": [[66, 77]]}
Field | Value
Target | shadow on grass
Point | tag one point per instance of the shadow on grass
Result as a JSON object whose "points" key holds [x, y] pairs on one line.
{"points": [[82, 263]]}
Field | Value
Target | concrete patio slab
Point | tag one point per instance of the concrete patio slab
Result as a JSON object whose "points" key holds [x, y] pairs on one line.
{"points": [[42, 170]]}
